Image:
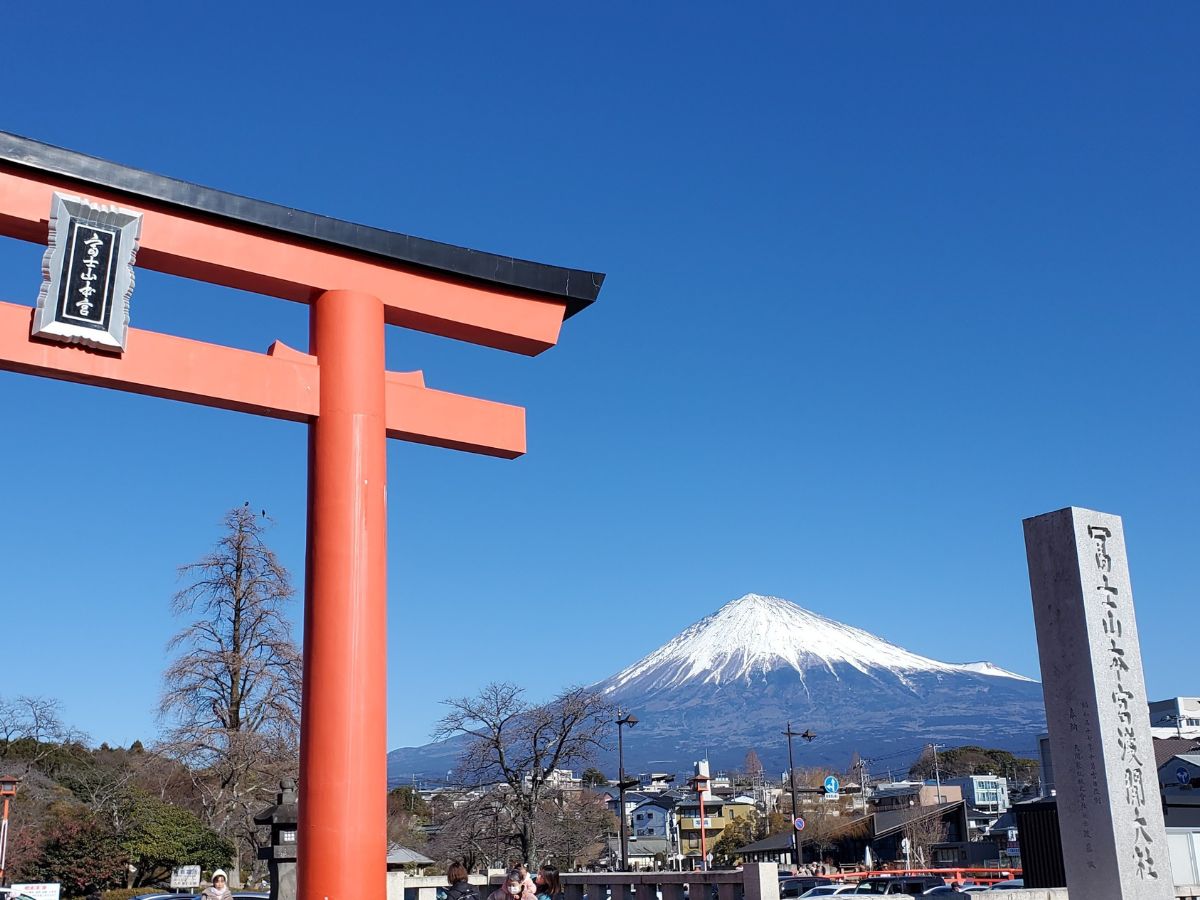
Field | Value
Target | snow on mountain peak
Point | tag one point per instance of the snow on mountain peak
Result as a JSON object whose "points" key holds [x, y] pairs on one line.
{"points": [[988, 668], [755, 633]]}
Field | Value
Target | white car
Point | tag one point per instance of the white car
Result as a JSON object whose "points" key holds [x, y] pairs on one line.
{"points": [[827, 890]]}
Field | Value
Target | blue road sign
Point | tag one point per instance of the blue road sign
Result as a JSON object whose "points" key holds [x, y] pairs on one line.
{"points": [[1183, 776], [799, 823], [832, 785]]}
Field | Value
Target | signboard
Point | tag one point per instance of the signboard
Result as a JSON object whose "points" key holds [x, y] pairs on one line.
{"points": [[1183, 776], [87, 274], [39, 891], [185, 877], [799, 823], [832, 787]]}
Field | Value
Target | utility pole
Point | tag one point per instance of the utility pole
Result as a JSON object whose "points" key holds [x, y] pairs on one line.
{"points": [[808, 736], [937, 772]]}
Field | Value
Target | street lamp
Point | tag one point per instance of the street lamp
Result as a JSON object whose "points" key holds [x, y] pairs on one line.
{"points": [[808, 736], [622, 721], [8, 790]]}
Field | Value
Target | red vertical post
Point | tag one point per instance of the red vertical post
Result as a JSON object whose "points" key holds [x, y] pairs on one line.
{"points": [[342, 839]]}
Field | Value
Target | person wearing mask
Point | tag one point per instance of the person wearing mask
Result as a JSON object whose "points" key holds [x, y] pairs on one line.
{"points": [[524, 870], [460, 888], [549, 887], [514, 888], [217, 890]]}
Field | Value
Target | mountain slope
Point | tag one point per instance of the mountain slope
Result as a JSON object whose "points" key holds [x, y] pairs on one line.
{"points": [[761, 634], [732, 681]]}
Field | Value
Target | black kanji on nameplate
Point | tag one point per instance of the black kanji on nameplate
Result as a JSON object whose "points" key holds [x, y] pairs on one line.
{"points": [[87, 274]]}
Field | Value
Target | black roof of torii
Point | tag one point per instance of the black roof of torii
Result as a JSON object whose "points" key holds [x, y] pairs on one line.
{"points": [[575, 287]]}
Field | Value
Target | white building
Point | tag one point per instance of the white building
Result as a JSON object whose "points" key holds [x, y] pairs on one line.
{"points": [[1176, 717], [559, 780], [656, 781], [987, 793]]}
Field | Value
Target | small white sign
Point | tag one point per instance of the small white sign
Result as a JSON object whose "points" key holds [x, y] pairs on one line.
{"points": [[185, 877], [39, 891]]}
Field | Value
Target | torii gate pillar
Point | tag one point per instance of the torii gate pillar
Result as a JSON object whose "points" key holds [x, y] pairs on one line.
{"points": [[357, 279], [345, 610]]}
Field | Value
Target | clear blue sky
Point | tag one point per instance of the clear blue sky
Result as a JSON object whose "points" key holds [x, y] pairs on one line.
{"points": [[883, 279]]}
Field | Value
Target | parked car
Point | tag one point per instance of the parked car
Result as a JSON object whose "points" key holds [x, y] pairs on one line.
{"points": [[913, 885], [827, 890], [1014, 884], [798, 884]]}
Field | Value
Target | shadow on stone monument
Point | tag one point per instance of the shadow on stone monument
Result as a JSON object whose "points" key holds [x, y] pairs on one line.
{"points": [[281, 853]]}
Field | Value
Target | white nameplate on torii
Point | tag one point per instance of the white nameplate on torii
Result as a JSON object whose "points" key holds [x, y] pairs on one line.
{"points": [[87, 274]]}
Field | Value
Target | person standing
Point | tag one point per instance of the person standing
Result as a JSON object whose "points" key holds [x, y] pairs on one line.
{"points": [[515, 887], [217, 890], [549, 886], [460, 887]]}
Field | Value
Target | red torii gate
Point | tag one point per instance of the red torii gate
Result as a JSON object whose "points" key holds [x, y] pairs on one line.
{"points": [[356, 279]]}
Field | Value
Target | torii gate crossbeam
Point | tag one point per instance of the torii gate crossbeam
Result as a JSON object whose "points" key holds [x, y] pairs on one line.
{"points": [[356, 279]]}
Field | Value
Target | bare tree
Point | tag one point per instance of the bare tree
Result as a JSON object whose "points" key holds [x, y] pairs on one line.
{"points": [[231, 696], [474, 828], [513, 743], [923, 831], [573, 827], [32, 733]]}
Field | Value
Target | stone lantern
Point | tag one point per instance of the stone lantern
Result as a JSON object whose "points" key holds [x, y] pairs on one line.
{"points": [[281, 854]]}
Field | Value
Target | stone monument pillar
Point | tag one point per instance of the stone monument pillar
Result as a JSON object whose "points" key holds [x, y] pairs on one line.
{"points": [[1114, 842], [282, 819]]}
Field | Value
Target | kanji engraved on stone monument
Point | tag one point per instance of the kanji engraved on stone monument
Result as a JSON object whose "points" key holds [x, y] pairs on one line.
{"points": [[87, 274]]}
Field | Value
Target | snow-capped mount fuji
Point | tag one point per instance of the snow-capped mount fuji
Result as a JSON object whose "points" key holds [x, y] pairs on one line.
{"points": [[754, 635], [733, 680]]}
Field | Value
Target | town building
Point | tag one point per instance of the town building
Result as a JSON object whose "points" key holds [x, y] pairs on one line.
{"points": [[563, 780], [987, 801], [900, 794], [654, 818], [656, 781], [878, 836], [1176, 717]]}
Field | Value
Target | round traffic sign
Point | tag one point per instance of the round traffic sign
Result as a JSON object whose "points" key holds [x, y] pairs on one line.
{"points": [[1183, 776], [799, 823], [832, 785]]}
